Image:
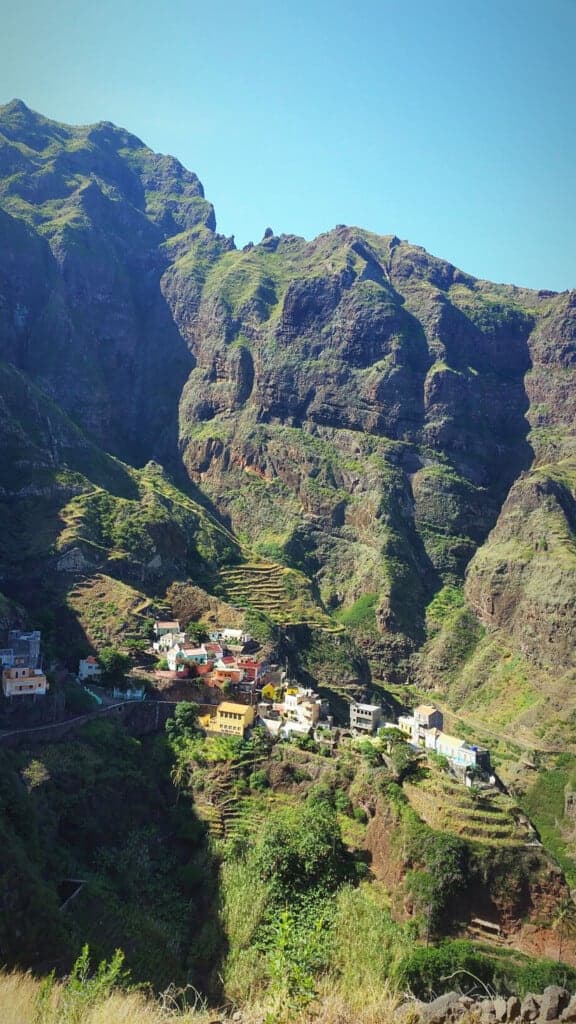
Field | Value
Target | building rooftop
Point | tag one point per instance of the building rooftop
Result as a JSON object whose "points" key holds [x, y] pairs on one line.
{"points": [[231, 708], [368, 707], [425, 709], [454, 741]]}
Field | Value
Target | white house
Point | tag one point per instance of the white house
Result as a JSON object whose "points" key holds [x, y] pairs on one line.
{"points": [[424, 729], [227, 635], [184, 654], [301, 710], [167, 640], [416, 726], [88, 668], [171, 626], [133, 693], [461, 753]]}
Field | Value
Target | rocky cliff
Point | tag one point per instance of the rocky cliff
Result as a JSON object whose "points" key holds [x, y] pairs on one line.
{"points": [[351, 409]]}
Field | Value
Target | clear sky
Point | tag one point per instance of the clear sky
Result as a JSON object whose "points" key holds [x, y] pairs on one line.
{"points": [[451, 124]]}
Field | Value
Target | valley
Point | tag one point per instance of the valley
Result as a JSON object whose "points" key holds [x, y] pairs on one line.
{"points": [[359, 456]]}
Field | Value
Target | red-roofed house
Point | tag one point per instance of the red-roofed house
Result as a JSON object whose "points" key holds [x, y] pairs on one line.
{"points": [[252, 669], [89, 668], [214, 650]]}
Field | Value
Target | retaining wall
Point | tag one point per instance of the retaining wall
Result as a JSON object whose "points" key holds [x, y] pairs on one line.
{"points": [[138, 717]]}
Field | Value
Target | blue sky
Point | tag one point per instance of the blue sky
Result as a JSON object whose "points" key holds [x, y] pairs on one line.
{"points": [[449, 124]]}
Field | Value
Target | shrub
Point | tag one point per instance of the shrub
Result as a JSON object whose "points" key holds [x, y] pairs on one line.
{"points": [[258, 779], [430, 970], [185, 718], [301, 849], [114, 664], [197, 632]]}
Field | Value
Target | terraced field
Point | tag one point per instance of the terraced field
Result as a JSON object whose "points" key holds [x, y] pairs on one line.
{"points": [[280, 593], [489, 817], [236, 815], [211, 814]]}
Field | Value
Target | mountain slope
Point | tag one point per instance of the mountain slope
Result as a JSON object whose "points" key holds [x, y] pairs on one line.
{"points": [[350, 408]]}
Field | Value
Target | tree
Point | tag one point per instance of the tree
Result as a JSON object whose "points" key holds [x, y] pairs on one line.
{"points": [[301, 849], [184, 724], [565, 922], [114, 664], [404, 761], [197, 632], [180, 776]]}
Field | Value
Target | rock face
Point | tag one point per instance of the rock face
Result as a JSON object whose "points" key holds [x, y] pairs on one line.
{"points": [[84, 216], [352, 406]]}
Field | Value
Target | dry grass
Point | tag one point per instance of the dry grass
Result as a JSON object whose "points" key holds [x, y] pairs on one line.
{"points": [[21, 1003]]}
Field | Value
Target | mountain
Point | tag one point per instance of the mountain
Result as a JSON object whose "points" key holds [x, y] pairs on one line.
{"points": [[389, 437]]}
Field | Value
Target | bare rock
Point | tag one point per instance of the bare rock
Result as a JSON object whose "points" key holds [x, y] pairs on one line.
{"points": [[513, 1008], [443, 1009], [487, 1012], [530, 1007], [554, 1001], [500, 1009], [569, 1014]]}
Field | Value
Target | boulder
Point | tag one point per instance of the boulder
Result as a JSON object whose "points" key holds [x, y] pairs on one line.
{"points": [[443, 1009], [530, 1007], [466, 1002], [569, 1014], [500, 1009], [487, 1012], [409, 1012], [513, 1008], [554, 1000]]}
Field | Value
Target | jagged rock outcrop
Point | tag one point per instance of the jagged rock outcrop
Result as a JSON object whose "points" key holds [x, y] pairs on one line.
{"points": [[351, 406]]}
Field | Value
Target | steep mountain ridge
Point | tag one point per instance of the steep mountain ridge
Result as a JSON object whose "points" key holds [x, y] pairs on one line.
{"points": [[350, 407], [84, 310]]}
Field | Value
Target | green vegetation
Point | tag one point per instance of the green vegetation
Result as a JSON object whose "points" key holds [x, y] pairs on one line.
{"points": [[101, 808], [429, 971], [451, 807], [114, 664], [543, 801], [443, 607], [361, 615], [282, 595]]}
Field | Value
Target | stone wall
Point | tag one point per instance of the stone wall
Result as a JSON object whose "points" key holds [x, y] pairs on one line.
{"points": [[139, 718], [554, 1005]]}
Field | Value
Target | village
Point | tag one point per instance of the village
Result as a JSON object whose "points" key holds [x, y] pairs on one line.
{"points": [[237, 689]]}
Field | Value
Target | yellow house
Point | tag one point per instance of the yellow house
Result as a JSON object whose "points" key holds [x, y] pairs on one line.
{"points": [[234, 719]]}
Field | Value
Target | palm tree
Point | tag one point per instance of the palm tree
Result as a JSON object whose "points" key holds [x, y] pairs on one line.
{"points": [[180, 776], [564, 923]]}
